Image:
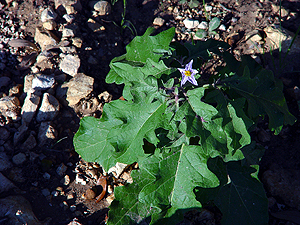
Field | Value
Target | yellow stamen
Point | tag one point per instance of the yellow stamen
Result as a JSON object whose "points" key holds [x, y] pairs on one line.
{"points": [[187, 73]]}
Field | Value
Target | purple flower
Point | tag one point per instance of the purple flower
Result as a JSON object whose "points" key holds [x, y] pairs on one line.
{"points": [[188, 74]]}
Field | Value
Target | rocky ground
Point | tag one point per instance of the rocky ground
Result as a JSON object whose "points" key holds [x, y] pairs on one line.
{"points": [[56, 75]]}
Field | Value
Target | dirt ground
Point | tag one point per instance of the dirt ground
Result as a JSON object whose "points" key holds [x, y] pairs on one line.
{"points": [[241, 19]]}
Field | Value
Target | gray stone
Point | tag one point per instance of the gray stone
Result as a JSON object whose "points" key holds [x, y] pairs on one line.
{"points": [[16, 175], [77, 88], [62, 5], [28, 83], [10, 107], [5, 185], [17, 210], [47, 134], [49, 108], [61, 169], [282, 183], [48, 14], [190, 23], [46, 192], [70, 64], [92, 60], [45, 39], [67, 50], [29, 107], [4, 162], [30, 142], [4, 134], [49, 25], [19, 158], [4, 81]]}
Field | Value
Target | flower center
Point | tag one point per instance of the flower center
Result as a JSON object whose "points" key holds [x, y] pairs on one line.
{"points": [[187, 73]]}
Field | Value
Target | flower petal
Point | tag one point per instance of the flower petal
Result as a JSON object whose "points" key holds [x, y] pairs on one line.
{"points": [[184, 80], [192, 80], [189, 66]]}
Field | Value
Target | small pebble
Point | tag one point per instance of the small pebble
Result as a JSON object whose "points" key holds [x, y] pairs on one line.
{"points": [[46, 176], [222, 27], [208, 8], [19, 158], [72, 208], [45, 192]]}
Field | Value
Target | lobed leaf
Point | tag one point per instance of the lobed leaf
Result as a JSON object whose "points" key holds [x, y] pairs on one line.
{"points": [[118, 136], [163, 187], [264, 96]]}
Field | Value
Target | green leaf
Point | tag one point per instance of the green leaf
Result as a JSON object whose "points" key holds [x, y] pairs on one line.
{"points": [[143, 47], [203, 49], [240, 197], [201, 33], [193, 3], [264, 96], [214, 24], [164, 184], [118, 135], [243, 200], [221, 129]]}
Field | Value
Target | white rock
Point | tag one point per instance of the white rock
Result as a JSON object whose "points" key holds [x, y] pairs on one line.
{"points": [[208, 8], [30, 107], [49, 25], [79, 180], [49, 108], [69, 18], [222, 27], [42, 82], [19, 158], [117, 169], [70, 64], [203, 25], [158, 21], [102, 7], [68, 32], [66, 180], [190, 23], [48, 14]]}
